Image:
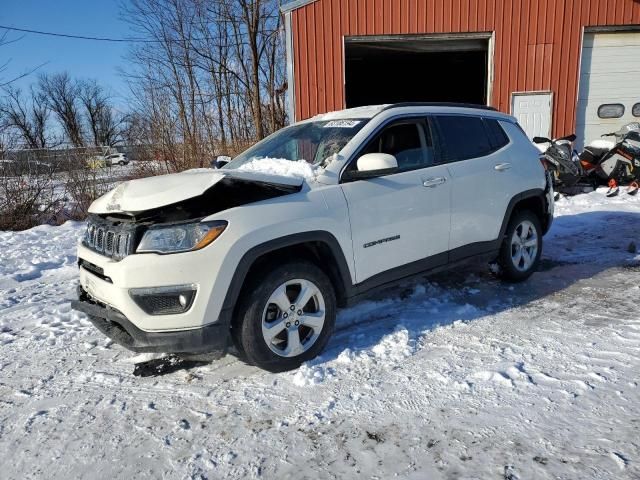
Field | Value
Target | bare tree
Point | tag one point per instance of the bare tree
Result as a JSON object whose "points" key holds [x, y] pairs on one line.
{"points": [[7, 138], [255, 25], [4, 64], [4, 40], [99, 114], [62, 96], [28, 116], [216, 66]]}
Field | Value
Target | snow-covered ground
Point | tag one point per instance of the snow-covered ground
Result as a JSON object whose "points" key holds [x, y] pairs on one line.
{"points": [[458, 376]]}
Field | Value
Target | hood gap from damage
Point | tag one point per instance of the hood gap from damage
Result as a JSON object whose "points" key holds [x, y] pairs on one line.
{"points": [[228, 193]]}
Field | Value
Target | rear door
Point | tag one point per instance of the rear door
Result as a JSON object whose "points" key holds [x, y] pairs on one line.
{"points": [[400, 220], [483, 180]]}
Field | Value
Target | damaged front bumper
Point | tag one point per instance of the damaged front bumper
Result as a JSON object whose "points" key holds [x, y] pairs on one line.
{"points": [[208, 339]]}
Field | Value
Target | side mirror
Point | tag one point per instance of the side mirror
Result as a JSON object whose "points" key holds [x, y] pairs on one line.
{"points": [[220, 161], [541, 140], [372, 163]]}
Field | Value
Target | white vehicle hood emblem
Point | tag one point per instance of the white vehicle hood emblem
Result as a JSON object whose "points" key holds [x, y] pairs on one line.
{"points": [[154, 192]]}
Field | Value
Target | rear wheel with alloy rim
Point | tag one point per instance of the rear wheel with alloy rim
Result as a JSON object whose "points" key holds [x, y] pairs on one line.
{"points": [[521, 247], [286, 317]]}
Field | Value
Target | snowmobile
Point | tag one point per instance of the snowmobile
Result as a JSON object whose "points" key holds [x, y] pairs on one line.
{"points": [[559, 158], [615, 161]]}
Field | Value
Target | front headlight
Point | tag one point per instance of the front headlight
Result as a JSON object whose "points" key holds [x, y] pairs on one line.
{"points": [[180, 238]]}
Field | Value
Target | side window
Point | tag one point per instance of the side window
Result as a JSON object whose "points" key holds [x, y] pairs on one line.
{"points": [[403, 141], [497, 136], [636, 110], [464, 137]]}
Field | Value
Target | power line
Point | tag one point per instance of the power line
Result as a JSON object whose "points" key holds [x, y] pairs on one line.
{"points": [[77, 37], [107, 39]]}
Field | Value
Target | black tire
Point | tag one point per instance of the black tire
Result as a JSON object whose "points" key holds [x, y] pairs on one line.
{"points": [[121, 163], [248, 321], [508, 269]]}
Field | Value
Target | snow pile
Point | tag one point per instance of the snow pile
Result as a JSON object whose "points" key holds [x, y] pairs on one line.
{"points": [[309, 374], [37, 252], [396, 346], [282, 167]]}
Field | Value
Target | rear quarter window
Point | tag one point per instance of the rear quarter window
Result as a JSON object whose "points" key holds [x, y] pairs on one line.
{"points": [[465, 137], [497, 136]]}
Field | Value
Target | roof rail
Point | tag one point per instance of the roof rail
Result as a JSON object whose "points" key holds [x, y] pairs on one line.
{"points": [[438, 104]]}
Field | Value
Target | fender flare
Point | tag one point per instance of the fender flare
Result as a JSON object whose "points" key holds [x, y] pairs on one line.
{"points": [[252, 255], [533, 193]]}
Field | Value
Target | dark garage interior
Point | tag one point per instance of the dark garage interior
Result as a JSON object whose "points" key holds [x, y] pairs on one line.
{"points": [[415, 70]]}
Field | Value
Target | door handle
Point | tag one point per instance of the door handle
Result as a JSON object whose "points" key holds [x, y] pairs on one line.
{"points": [[433, 182], [501, 167]]}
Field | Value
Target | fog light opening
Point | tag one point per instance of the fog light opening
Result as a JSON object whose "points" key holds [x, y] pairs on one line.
{"points": [[164, 300]]}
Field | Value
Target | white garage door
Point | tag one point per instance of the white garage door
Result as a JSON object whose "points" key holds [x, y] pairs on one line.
{"points": [[609, 84]]}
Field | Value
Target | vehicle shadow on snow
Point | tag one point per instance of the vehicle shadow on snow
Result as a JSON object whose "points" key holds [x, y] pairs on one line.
{"points": [[578, 247]]}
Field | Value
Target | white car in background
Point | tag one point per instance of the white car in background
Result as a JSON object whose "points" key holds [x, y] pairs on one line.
{"points": [[116, 159], [194, 261], [111, 160]]}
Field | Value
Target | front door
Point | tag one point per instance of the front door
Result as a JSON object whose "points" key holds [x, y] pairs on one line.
{"points": [[400, 220]]}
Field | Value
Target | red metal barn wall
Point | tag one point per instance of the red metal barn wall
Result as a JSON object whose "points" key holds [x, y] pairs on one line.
{"points": [[537, 43]]}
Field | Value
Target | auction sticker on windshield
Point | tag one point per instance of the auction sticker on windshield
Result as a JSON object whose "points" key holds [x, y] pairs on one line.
{"points": [[342, 124]]}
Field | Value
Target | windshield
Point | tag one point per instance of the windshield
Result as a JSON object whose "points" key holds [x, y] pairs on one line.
{"points": [[313, 142]]}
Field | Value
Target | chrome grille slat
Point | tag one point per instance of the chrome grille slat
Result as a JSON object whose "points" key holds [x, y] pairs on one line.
{"points": [[113, 240], [100, 240], [91, 235], [123, 241], [108, 242]]}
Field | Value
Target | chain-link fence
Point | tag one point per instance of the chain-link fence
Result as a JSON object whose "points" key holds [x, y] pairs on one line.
{"points": [[50, 186]]}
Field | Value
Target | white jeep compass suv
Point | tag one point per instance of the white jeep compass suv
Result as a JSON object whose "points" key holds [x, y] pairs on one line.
{"points": [[262, 255]]}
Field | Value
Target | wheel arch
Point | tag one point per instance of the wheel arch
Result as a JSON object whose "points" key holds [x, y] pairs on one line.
{"points": [[533, 200], [319, 247]]}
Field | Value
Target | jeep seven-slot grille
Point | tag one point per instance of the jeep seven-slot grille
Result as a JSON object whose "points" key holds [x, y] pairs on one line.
{"points": [[114, 240]]}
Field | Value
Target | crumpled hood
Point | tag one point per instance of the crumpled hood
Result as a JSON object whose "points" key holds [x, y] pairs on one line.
{"points": [[154, 192]]}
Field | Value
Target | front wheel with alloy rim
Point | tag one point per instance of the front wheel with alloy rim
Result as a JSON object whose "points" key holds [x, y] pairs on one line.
{"points": [[521, 247], [286, 316]]}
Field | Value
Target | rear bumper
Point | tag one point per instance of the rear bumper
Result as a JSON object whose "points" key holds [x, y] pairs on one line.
{"points": [[112, 323]]}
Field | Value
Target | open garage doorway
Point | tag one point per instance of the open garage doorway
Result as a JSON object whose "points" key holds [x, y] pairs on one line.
{"points": [[392, 69]]}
